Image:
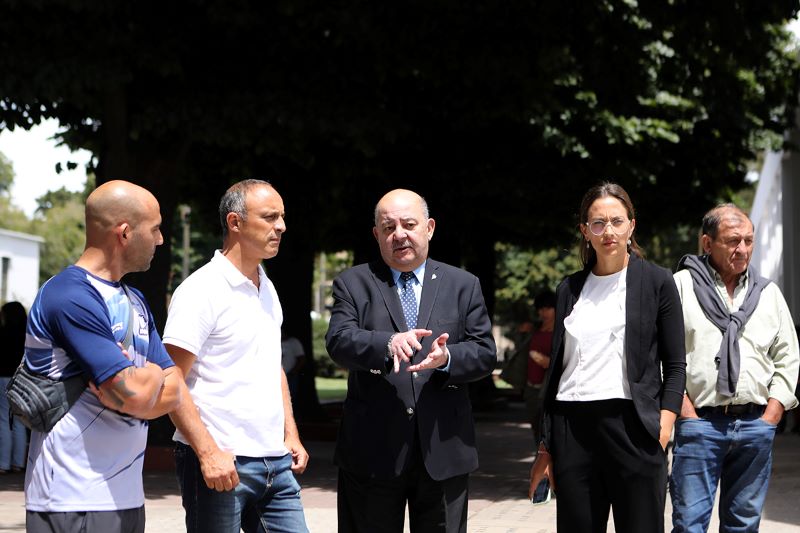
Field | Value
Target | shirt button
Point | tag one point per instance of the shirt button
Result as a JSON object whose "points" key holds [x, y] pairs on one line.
{"points": [[415, 374], [410, 411]]}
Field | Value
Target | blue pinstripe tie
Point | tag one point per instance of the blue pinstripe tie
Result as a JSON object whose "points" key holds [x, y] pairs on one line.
{"points": [[408, 299]]}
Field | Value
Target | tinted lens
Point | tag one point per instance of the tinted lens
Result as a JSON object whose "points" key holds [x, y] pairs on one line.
{"points": [[618, 226], [597, 227]]}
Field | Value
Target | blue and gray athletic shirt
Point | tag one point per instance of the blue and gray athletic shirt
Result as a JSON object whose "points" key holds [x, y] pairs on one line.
{"points": [[92, 459]]}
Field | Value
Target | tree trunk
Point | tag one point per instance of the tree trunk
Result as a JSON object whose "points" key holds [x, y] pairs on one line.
{"points": [[156, 167], [292, 271]]}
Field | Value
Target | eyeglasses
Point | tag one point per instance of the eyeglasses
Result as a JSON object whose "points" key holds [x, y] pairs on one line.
{"points": [[619, 225]]}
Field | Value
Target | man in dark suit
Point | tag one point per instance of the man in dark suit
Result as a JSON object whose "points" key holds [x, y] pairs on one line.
{"points": [[413, 333]]}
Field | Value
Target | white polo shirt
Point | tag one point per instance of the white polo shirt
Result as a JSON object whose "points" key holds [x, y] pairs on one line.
{"points": [[234, 329]]}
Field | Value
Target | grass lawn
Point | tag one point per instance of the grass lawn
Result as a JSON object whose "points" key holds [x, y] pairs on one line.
{"points": [[331, 389]]}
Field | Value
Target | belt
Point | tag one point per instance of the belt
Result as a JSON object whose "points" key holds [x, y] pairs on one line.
{"points": [[732, 410]]}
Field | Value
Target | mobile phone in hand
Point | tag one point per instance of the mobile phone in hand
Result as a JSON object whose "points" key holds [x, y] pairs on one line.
{"points": [[542, 493]]}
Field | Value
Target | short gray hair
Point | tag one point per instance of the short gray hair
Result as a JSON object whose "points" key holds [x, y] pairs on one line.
{"points": [[234, 201], [714, 217]]}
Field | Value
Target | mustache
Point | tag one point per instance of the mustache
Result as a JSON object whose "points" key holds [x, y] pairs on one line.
{"points": [[404, 244]]}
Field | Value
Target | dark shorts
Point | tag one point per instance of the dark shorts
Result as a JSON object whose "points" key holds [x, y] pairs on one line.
{"points": [[124, 521]]}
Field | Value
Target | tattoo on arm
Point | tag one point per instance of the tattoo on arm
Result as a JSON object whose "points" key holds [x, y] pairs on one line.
{"points": [[119, 390]]}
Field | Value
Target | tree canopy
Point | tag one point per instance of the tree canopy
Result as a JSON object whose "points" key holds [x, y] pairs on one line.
{"points": [[529, 101], [500, 113], [11, 216], [6, 175]]}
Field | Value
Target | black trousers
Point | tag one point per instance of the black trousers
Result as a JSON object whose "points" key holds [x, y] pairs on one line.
{"points": [[368, 505], [603, 458]]}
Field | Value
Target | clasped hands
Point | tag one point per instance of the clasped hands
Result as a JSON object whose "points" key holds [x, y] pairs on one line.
{"points": [[403, 346]]}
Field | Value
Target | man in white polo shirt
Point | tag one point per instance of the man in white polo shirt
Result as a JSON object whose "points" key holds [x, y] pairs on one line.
{"points": [[237, 445]]}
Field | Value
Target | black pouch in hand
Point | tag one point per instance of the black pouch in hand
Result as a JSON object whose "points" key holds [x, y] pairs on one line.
{"points": [[40, 401]]}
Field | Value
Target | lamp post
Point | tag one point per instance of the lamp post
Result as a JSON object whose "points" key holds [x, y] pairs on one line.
{"points": [[185, 211]]}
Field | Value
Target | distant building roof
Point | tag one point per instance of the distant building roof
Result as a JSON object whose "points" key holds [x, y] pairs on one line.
{"points": [[20, 235]]}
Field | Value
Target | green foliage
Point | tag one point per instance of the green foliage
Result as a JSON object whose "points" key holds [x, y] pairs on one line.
{"points": [[331, 389], [668, 245], [522, 272], [6, 175], [524, 99], [63, 228], [60, 197], [203, 241], [528, 102], [327, 267], [326, 367], [60, 220], [12, 217]]}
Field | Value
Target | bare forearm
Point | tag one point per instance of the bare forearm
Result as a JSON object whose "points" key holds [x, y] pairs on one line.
{"points": [[773, 412], [687, 408], [187, 419], [291, 436], [667, 422], [169, 397], [134, 390]]}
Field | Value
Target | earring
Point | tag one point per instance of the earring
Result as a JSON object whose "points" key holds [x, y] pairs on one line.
{"points": [[587, 245], [629, 242]]}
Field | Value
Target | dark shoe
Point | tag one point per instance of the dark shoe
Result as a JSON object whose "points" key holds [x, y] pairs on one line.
{"points": [[17, 469]]}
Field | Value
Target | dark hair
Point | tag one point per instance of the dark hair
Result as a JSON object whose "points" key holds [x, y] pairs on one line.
{"points": [[713, 218], [14, 316], [234, 201], [545, 298], [12, 332], [605, 189]]}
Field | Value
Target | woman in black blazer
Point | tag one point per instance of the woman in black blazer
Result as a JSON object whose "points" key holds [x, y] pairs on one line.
{"points": [[608, 413]]}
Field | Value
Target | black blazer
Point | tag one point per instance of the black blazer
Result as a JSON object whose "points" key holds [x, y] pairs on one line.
{"points": [[654, 342], [384, 412]]}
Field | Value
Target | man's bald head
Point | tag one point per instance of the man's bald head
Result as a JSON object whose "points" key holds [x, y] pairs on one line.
{"points": [[403, 229], [123, 230], [403, 196], [113, 203]]}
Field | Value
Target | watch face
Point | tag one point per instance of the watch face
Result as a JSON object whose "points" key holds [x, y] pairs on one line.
{"points": [[542, 493]]}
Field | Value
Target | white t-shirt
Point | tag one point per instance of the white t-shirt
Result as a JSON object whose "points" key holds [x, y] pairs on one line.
{"points": [[594, 343], [234, 329]]}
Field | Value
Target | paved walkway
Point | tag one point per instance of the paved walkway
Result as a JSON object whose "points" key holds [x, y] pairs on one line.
{"points": [[498, 490]]}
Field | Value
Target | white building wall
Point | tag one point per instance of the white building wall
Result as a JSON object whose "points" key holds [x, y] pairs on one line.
{"points": [[19, 266], [776, 216], [790, 201], [767, 217]]}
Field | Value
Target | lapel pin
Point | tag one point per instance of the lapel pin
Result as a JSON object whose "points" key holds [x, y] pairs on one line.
{"points": [[433, 276]]}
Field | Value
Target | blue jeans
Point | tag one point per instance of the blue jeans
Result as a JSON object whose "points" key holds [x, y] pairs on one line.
{"points": [[13, 437], [267, 498], [734, 452]]}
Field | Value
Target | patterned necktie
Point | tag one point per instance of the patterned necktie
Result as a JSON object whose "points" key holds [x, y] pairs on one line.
{"points": [[408, 300]]}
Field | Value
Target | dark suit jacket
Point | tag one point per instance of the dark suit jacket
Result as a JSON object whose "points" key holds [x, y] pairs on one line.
{"points": [[384, 412], [653, 342]]}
